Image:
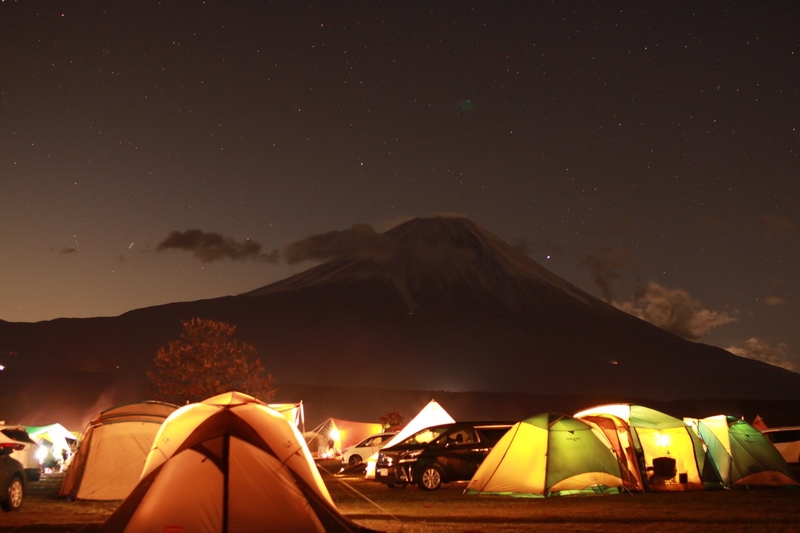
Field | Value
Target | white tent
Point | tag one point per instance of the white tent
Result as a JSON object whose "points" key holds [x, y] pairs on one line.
{"points": [[432, 414], [113, 450], [229, 463]]}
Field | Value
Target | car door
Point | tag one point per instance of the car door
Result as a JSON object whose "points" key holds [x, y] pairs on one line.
{"points": [[456, 455]]}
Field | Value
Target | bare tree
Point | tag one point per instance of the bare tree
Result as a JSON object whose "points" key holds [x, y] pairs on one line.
{"points": [[208, 360]]}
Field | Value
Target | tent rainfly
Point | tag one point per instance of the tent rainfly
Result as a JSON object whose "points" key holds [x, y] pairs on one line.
{"points": [[550, 454], [229, 464], [743, 455], [113, 450]]}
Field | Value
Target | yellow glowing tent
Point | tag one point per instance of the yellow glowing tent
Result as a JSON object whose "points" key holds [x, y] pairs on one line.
{"points": [[658, 452]]}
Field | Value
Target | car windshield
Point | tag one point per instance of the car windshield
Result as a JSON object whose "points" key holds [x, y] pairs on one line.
{"points": [[426, 435]]}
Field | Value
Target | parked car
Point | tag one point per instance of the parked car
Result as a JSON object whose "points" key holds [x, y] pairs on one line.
{"points": [[439, 454], [26, 453], [12, 477], [353, 455], [786, 440]]}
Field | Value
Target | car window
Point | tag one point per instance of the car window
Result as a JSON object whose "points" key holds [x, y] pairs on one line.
{"points": [[425, 436], [491, 434], [779, 437]]}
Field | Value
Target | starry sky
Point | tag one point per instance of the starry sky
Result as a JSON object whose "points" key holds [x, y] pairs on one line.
{"points": [[647, 152]]}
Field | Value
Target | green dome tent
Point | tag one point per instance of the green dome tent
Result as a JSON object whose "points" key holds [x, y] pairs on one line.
{"points": [[743, 455], [549, 454]]}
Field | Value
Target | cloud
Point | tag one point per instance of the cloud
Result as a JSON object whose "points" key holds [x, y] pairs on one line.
{"points": [[675, 311], [605, 263], [761, 351], [778, 227], [68, 250], [774, 300], [360, 240], [210, 247]]}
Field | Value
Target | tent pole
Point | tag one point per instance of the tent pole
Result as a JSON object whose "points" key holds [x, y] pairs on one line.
{"points": [[226, 443]]}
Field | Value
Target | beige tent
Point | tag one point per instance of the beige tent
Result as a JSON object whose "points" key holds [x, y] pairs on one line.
{"points": [[113, 450], [432, 414], [232, 464]]}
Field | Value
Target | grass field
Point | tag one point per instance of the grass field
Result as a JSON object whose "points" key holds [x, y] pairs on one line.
{"points": [[449, 511]]}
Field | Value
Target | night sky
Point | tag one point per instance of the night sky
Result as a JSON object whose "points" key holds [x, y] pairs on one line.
{"points": [[645, 151]]}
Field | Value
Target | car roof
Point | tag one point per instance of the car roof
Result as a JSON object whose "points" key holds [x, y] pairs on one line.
{"points": [[17, 433], [781, 428], [481, 424]]}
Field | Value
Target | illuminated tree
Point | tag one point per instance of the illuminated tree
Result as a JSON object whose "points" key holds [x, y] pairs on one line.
{"points": [[392, 418], [208, 360]]}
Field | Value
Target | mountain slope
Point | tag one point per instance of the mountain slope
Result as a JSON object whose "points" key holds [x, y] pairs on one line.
{"points": [[433, 304]]}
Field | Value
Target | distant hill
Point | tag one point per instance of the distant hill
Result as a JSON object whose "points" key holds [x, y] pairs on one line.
{"points": [[433, 304]]}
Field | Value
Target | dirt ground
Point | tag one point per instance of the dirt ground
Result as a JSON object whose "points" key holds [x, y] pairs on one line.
{"points": [[449, 511]]}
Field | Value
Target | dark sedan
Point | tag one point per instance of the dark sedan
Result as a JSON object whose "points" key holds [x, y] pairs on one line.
{"points": [[439, 454]]}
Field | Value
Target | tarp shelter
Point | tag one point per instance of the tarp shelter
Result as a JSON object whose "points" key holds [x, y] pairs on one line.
{"points": [[549, 454], [229, 464], [333, 435], [658, 452], [58, 440], [744, 457], [432, 414], [56, 437], [113, 450]]}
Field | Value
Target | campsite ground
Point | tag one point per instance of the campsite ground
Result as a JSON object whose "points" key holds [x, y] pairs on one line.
{"points": [[449, 511]]}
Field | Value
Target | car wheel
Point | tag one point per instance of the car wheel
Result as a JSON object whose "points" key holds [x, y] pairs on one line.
{"points": [[430, 478], [354, 460], [14, 495], [396, 485]]}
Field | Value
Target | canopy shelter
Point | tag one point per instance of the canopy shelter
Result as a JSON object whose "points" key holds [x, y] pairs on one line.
{"points": [[333, 435]]}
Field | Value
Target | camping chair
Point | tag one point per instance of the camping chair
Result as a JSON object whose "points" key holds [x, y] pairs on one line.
{"points": [[663, 471]]}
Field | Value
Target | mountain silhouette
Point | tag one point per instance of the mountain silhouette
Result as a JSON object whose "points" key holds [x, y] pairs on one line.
{"points": [[433, 304]]}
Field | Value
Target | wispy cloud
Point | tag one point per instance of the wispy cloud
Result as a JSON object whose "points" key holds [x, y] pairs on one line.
{"points": [[761, 351], [360, 240], [606, 263], [674, 310], [774, 300], [210, 247], [68, 250]]}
